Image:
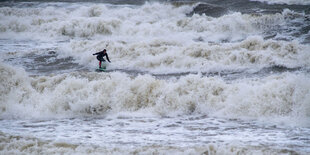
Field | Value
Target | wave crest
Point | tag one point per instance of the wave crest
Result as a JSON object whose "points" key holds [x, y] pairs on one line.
{"points": [[281, 96]]}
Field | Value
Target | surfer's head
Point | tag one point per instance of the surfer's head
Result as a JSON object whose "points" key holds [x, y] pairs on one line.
{"points": [[104, 50]]}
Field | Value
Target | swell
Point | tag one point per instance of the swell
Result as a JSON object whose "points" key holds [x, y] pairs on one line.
{"points": [[284, 96], [289, 2]]}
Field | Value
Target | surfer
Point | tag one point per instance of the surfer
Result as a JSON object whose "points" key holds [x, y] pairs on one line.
{"points": [[100, 56]]}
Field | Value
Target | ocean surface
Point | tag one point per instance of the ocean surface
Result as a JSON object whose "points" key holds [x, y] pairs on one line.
{"points": [[186, 77]]}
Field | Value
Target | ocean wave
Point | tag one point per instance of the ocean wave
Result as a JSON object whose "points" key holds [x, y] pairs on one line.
{"points": [[34, 146], [284, 96], [155, 20], [12, 144], [84, 20], [159, 37], [289, 2], [166, 55]]}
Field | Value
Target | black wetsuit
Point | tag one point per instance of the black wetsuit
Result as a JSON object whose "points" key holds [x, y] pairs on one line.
{"points": [[100, 56]]}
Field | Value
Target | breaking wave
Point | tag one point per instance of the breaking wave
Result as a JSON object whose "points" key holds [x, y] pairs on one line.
{"points": [[135, 22], [157, 37], [172, 56], [284, 96], [185, 78]]}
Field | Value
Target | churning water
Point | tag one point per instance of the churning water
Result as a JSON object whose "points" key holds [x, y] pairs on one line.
{"points": [[187, 77]]}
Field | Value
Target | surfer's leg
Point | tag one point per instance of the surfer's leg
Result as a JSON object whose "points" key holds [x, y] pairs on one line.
{"points": [[99, 64], [104, 64]]}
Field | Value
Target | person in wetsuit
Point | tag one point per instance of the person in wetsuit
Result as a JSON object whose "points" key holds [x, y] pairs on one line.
{"points": [[100, 56]]}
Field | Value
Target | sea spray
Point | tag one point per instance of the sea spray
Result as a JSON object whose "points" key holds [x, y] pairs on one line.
{"points": [[81, 94]]}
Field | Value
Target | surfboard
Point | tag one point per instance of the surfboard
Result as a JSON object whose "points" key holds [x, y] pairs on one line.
{"points": [[103, 67], [100, 69]]}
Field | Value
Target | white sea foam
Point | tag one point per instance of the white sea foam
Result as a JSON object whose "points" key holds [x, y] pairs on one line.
{"points": [[28, 145], [156, 37], [134, 23], [182, 114], [172, 56], [290, 2], [284, 96]]}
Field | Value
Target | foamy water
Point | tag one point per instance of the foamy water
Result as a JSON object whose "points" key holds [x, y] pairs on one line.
{"points": [[180, 81]]}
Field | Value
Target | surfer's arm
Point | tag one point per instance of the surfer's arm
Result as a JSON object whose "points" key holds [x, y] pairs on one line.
{"points": [[107, 57], [98, 53]]}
